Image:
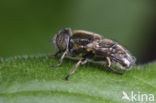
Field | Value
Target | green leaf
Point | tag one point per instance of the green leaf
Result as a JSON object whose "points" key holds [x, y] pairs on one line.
{"points": [[29, 79]]}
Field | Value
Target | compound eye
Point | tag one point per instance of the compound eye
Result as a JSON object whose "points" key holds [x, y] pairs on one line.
{"points": [[62, 39], [66, 31]]}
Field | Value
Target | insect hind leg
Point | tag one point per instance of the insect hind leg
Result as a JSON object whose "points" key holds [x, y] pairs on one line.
{"points": [[110, 69]]}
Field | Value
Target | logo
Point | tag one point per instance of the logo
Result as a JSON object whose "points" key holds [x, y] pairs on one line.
{"points": [[137, 96]]}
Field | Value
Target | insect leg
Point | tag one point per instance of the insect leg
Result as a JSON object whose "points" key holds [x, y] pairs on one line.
{"points": [[55, 55], [75, 67], [84, 61], [60, 61], [109, 68]]}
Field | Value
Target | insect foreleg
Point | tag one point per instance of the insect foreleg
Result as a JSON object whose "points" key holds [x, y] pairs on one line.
{"points": [[109, 68], [55, 55], [75, 67], [60, 61]]}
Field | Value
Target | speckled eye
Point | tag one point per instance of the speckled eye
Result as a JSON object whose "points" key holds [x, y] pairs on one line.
{"points": [[54, 41]]}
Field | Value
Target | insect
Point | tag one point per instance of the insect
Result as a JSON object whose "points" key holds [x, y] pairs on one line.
{"points": [[89, 46]]}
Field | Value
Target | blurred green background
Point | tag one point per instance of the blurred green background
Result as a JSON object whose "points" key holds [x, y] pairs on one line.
{"points": [[26, 26]]}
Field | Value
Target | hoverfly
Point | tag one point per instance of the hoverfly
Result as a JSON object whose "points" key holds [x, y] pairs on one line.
{"points": [[91, 46]]}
